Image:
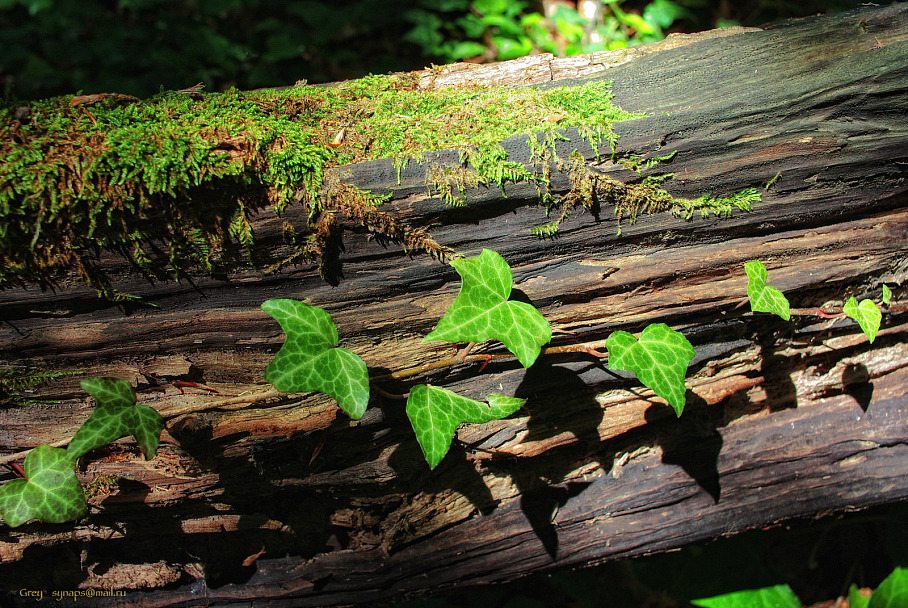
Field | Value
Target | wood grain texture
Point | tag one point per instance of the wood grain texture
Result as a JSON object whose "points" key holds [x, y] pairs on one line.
{"points": [[783, 419]]}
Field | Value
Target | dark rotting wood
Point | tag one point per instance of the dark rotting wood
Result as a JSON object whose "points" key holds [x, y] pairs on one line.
{"points": [[783, 419]]}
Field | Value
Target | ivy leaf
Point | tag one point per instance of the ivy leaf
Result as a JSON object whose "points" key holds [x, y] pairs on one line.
{"points": [[892, 592], [482, 310], [887, 294], [660, 359], [309, 360], [435, 414], [780, 596], [866, 314], [116, 415], [763, 297], [50, 493]]}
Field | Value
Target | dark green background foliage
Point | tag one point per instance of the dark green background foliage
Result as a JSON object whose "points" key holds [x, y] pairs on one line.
{"points": [[54, 47]]}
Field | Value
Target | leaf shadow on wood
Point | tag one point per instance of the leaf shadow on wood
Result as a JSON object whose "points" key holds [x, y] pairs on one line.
{"points": [[856, 381], [254, 510], [691, 441], [540, 506], [454, 472], [781, 391], [541, 479], [330, 266], [54, 566], [215, 541]]}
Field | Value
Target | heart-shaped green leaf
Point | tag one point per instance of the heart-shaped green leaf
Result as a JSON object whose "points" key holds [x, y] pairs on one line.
{"points": [[50, 493], [435, 414], [660, 359], [866, 314], [116, 415], [309, 360], [482, 310], [780, 596], [764, 298], [887, 295]]}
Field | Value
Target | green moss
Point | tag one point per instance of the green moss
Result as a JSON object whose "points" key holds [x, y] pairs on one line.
{"points": [[638, 163], [16, 382], [162, 181], [102, 484], [722, 206], [549, 229], [171, 182], [591, 190]]}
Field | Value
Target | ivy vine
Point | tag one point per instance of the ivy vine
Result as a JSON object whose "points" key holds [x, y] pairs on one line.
{"points": [[310, 360], [49, 490]]}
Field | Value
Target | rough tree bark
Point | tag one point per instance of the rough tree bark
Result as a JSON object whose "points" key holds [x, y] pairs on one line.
{"points": [[782, 420]]}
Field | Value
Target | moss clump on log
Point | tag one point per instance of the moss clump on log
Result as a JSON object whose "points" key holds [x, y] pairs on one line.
{"points": [[170, 182]]}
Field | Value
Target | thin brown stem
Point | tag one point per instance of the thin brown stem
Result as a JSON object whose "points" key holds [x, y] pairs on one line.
{"points": [[388, 395], [462, 355]]}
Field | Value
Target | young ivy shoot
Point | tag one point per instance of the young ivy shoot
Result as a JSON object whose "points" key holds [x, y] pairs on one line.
{"points": [[50, 491]]}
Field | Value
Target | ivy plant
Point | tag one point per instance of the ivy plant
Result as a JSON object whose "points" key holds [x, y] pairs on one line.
{"points": [[779, 596], [659, 359], [482, 310], [436, 412], [310, 360], [116, 415], [763, 297], [50, 491], [866, 314], [892, 592]]}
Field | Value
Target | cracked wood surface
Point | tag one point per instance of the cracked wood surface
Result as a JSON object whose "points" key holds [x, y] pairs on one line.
{"points": [[783, 419]]}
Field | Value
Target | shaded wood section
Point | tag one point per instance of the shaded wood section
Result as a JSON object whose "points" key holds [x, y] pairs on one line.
{"points": [[783, 419]]}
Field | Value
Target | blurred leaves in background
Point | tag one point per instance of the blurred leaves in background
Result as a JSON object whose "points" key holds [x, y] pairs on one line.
{"points": [[53, 47], [495, 30]]}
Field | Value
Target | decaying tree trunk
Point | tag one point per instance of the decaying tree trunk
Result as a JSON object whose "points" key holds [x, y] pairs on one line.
{"points": [[284, 500]]}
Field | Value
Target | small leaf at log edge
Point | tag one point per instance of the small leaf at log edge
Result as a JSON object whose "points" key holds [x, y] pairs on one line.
{"points": [[309, 360], [51, 493], [780, 596], [660, 359], [763, 297], [482, 310], [866, 314], [435, 414], [116, 415], [892, 592]]}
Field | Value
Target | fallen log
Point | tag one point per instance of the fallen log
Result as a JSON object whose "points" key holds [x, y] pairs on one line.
{"points": [[278, 498]]}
